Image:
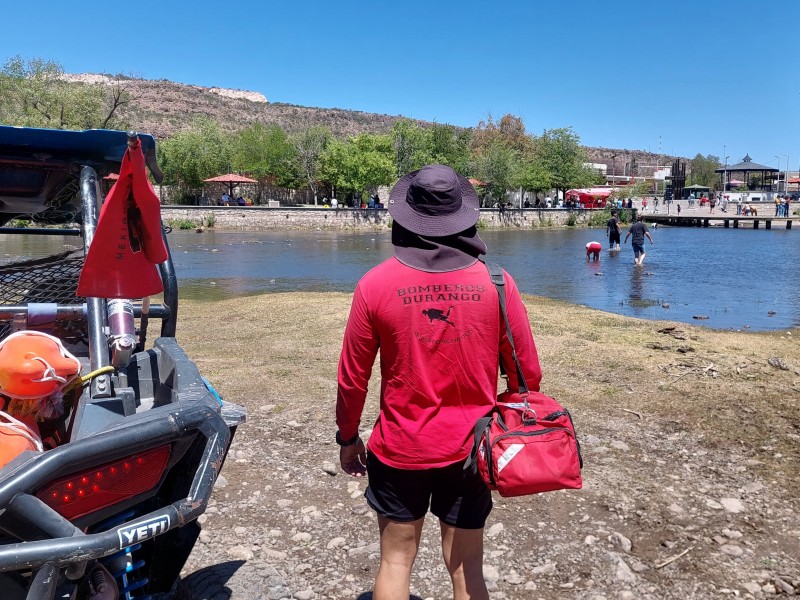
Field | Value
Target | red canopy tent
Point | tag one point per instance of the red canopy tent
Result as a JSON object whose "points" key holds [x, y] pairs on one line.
{"points": [[231, 179], [589, 197]]}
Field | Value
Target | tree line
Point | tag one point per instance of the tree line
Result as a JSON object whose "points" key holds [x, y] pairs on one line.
{"points": [[501, 154]]}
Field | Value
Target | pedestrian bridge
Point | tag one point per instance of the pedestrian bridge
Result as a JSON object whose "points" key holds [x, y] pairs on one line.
{"points": [[727, 221]]}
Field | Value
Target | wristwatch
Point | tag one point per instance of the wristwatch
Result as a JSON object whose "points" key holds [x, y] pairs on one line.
{"points": [[344, 443]]}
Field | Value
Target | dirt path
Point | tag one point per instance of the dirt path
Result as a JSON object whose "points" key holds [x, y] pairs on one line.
{"points": [[690, 470]]}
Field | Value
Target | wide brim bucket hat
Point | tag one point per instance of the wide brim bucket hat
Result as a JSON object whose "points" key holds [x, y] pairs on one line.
{"points": [[434, 201]]}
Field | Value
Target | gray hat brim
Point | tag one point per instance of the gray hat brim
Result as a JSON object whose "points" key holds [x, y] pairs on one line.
{"points": [[434, 225]]}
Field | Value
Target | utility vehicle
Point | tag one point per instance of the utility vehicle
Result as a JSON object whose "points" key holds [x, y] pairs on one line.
{"points": [[129, 465]]}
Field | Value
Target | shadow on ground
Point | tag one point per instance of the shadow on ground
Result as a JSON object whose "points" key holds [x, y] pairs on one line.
{"points": [[209, 583], [368, 596]]}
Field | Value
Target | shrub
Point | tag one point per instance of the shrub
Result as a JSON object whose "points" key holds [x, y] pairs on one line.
{"points": [[600, 218], [572, 220], [210, 220], [181, 224]]}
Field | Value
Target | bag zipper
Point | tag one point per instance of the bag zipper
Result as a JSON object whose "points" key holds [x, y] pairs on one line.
{"points": [[533, 433], [554, 415]]}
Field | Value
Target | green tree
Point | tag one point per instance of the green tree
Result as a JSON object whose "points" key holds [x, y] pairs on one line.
{"points": [[34, 93], [502, 155], [416, 146], [309, 148], [509, 131], [195, 154], [409, 144], [448, 145], [265, 151], [563, 158], [531, 175], [360, 164], [702, 172], [496, 166]]}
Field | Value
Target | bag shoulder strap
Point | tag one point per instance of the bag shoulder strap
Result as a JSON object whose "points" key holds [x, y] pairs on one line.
{"points": [[480, 426], [499, 281]]}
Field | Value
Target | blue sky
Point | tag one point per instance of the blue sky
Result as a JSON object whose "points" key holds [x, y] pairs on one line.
{"points": [[706, 76]]}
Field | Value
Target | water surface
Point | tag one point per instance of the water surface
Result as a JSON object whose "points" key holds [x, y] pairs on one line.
{"points": [[738, 278]]}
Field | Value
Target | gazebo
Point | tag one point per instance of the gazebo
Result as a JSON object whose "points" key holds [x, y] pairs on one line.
{"points": [[744, 168], [231, 180], [697, 188]]}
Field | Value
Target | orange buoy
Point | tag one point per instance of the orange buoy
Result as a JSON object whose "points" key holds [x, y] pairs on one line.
{"points": [[35, 365], [17, 436]]}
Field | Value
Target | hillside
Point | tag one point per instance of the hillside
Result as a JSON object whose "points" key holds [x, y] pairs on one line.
{"points": [[164, 107]]}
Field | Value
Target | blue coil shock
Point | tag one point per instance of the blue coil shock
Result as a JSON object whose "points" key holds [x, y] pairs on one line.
{"points": [[126, 568]]}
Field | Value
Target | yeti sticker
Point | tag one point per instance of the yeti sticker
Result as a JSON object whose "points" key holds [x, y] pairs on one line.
{"points": [[144, 530]]}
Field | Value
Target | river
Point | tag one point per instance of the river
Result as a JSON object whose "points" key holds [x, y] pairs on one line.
{"points": [[737, 278]]}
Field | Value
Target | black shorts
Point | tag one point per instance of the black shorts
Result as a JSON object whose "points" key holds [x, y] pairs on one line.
{"points": [[613, 237], [458, 498]]}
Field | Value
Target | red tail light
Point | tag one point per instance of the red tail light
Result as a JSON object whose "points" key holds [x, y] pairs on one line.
{"points": [[87, 491]]}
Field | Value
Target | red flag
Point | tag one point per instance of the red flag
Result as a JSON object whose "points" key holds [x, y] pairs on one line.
{"points": [[127, 244]]}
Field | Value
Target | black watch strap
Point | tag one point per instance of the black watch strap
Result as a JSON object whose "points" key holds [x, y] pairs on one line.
{"points": [[344, 443]]}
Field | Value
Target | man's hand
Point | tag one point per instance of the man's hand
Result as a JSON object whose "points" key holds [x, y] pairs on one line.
{"points": [[354, 459]]}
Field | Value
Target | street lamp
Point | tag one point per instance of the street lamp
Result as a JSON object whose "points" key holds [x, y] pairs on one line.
{"points": [[725, 174], [786, 174], [724, 149]]}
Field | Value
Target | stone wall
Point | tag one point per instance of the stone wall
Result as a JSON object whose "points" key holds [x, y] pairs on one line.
{"points": [[257, 218]]}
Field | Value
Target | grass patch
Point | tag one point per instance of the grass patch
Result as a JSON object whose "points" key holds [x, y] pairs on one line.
{"points": [[183, 224]]}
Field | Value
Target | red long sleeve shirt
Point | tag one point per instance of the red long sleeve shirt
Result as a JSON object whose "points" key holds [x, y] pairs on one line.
{"points": [[441, 336]]}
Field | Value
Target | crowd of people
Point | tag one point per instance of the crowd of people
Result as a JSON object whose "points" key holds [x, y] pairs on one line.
{"points": [[782, 204], [373, 202]]}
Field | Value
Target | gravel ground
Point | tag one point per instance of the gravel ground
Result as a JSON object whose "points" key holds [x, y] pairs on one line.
{"points": [[660, 516], [690, 465]]}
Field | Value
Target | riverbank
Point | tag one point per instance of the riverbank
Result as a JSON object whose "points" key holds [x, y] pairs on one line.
{"points": [[259, 218], [689, 436]]}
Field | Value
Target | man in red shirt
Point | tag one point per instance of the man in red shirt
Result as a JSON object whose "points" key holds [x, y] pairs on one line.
{"points": [[433, 312]]}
